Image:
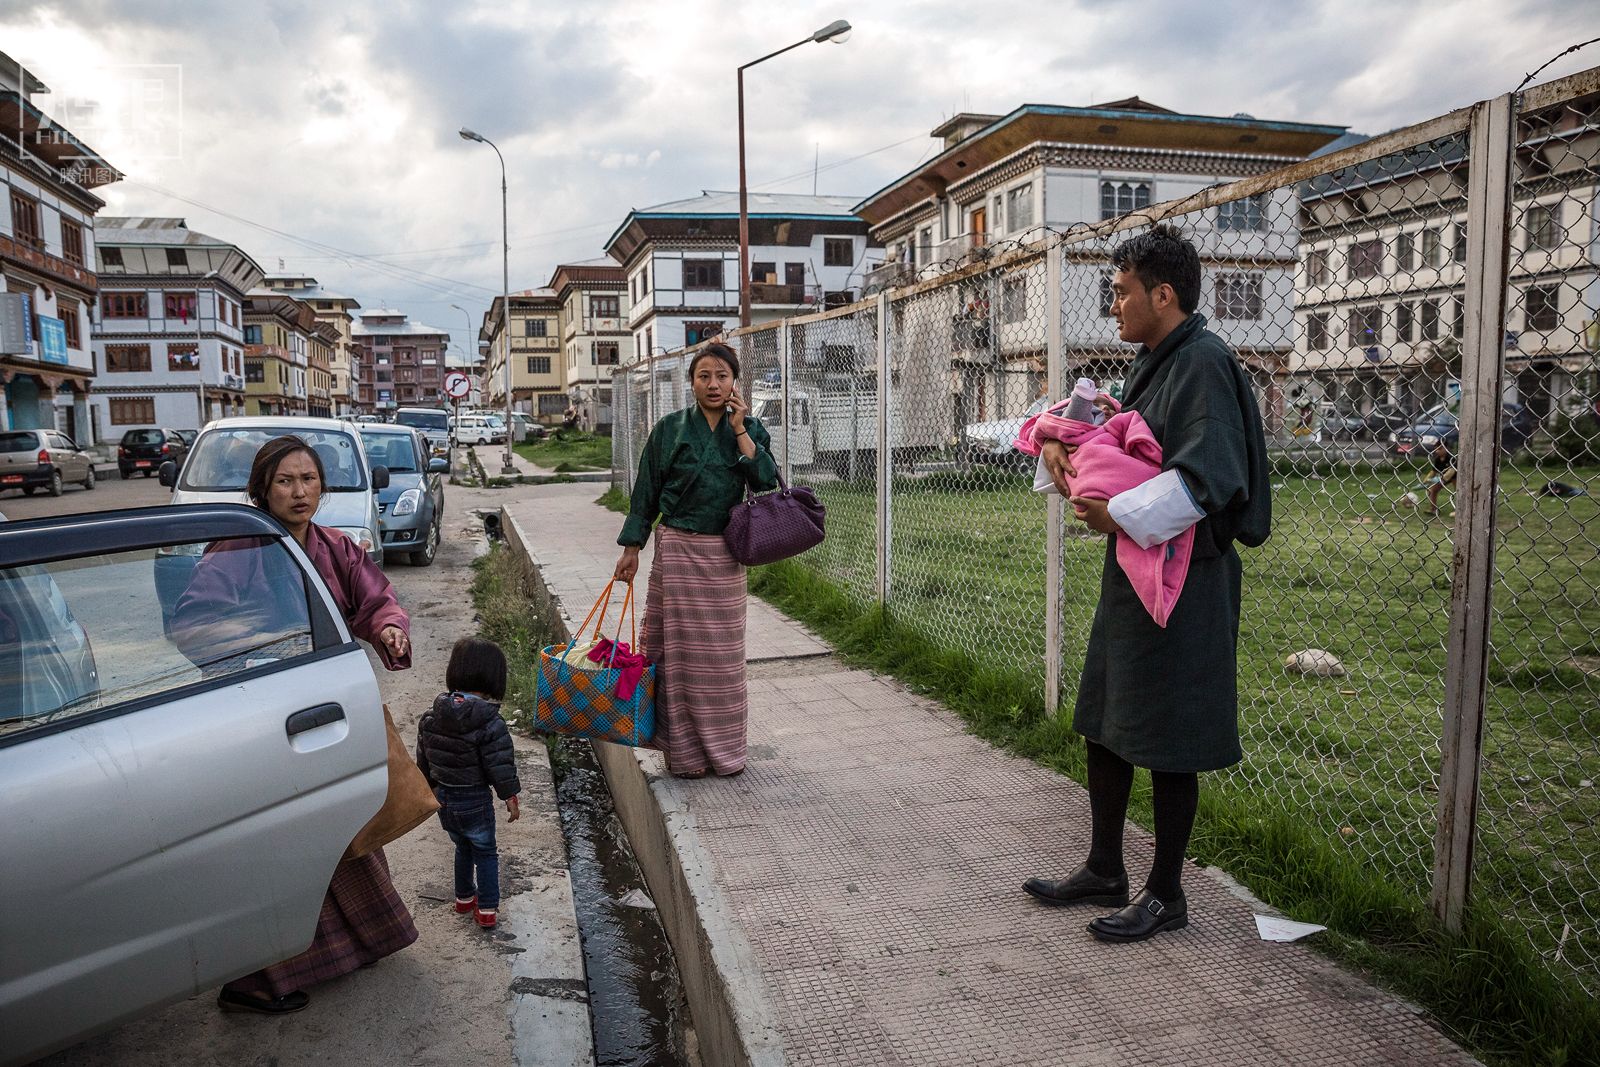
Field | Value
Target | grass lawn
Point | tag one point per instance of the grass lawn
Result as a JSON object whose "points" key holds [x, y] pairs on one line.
{"points": [[569, 450], [1332, 813]]}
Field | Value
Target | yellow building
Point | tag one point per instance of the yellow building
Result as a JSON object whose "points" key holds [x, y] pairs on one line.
{"points": [[538, 372], [277, 330]]}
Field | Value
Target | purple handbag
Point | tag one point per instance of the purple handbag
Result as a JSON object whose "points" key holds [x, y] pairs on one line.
{"points": [[774, 526]]}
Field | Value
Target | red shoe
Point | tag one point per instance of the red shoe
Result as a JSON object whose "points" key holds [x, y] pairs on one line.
{"points": [[487, 919], [464, 907]]}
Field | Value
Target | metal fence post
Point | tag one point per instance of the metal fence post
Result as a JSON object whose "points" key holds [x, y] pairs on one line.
{"points": [[783, 399], [1489, 181], [884, 446], [1053, 503]]}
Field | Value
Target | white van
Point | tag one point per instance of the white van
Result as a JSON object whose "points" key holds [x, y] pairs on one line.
{"points": [[479, 430]]}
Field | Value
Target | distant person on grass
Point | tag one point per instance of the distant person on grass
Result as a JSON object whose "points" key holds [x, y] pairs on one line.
{"points": [[1444, 473], [1165, 698]]}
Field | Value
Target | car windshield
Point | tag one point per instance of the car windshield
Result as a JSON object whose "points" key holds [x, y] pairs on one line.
{"points": [[423, 420], [23, 441], [221, 459], [392, 450], [144, 437]]}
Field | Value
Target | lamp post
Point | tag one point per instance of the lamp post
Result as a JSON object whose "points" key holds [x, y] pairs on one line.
{"points": [[838, 32], [505, 277]]}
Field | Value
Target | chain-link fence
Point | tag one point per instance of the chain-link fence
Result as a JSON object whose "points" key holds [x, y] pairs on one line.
{"points": [[1421, 316]]}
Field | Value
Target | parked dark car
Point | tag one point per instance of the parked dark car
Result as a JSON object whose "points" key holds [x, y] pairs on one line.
{"points": [[31, 460], [1386, 419], [1340, 425], [188, 437], [411, 506], [144, 451], [1517, 425]]}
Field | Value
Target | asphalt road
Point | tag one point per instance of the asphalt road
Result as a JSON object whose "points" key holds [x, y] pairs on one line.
{"points": [[448, 999]]}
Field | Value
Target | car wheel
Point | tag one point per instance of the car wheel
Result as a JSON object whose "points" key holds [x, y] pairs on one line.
{"points": [[88, 480], [430, 548], [148, 473], [126, 474], [29, 490], [56, 487]]}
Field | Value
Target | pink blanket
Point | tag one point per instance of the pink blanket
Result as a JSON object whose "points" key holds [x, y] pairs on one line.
{"points": [[1112, 458]]}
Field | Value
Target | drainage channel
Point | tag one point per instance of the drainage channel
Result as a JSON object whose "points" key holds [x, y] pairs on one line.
{"points": [[635, 995]]}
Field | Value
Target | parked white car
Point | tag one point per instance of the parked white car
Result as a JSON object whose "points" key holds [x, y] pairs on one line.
{"points": [[174, 808], [219, 468], [479, 430]]}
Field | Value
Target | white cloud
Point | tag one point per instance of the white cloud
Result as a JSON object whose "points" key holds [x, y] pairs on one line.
{"points": [[336, 121]]}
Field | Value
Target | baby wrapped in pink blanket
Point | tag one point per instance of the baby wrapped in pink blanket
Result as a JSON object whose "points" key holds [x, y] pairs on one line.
{"points": [[1113, 458]]}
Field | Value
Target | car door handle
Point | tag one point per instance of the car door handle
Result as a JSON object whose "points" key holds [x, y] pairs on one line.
{"points": [[311, 718]]}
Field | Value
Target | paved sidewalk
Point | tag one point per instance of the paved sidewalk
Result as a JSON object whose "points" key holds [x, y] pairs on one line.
{"points": [[869, 863]]}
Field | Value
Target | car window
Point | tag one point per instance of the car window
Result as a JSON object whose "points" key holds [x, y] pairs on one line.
{"points": [[19, 441], [85, 635], [392, 450], [221, 459], [143, 437], [423, 420]]}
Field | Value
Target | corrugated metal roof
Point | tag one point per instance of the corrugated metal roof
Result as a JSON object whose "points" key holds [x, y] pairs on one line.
{"points": [[716, 202], [114, 230]]}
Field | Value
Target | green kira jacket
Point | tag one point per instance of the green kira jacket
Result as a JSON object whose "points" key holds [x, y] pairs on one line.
{"points": [[692, 475]]}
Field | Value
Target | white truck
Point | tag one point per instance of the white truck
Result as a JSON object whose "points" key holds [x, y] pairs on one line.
{"points": [[836, 427]]}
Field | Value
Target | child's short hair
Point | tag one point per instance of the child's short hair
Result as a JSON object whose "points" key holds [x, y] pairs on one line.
{"points": [[476, 666]]}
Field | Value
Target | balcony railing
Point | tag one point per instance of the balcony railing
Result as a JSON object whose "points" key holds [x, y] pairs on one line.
{"points": [[887, 276], [774, 293]]}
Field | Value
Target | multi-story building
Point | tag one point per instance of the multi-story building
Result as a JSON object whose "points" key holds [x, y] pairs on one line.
{"points": [[1007, 177], [47, 256], [397, 362], [321, 342], [277, 336], [1381, 289], [538, 373], [170, 342], [336, 310], [682, 263], [595, 338]]}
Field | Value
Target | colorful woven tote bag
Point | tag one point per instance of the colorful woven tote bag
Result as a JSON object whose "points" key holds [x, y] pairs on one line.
{"points": [[600, 689]]}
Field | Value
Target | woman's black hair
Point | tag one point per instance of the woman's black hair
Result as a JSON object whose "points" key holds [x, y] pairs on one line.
{"points": [[717, 350], [269, 457], [476, 666]]}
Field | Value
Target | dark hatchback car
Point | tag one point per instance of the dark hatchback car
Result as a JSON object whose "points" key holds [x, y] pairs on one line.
{"points": [[144, 451], [1517, 425]]}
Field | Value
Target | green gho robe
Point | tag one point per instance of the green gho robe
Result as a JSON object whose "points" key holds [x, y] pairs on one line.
{"points": [[1167, 699], [692, 475]]}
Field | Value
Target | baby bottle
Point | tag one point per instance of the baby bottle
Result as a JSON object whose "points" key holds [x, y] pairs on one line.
{"points": [[1081, 406]]}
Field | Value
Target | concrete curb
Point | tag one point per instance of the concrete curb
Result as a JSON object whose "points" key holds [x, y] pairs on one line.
{"points": [[735, 1021]]}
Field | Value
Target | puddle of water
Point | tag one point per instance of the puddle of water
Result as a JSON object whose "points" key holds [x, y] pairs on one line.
{"points": [[635, 996]]}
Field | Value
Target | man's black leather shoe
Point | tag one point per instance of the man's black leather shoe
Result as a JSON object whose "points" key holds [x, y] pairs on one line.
{"points": [[1142, 919], [1082, 886]]}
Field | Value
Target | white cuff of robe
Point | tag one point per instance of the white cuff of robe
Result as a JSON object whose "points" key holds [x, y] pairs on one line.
{"points": [[1157, 510]]}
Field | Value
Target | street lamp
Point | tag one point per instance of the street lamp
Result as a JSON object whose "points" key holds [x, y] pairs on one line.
{"points": [[505, 277], [838, 32]]}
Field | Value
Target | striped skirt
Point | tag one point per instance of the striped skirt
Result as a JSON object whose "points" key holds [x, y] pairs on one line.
{"points": [[362, 921], [694, 633]]}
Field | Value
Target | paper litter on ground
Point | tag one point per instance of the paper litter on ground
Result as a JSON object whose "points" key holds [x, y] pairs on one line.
{"points": [[1272, 928]]}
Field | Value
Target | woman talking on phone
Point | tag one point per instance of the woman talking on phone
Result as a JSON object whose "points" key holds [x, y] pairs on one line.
{"points": [[695, 467]]}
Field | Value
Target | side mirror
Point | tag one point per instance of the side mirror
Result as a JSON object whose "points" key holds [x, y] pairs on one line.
{"points": [[438, 465], [380, 478], [168, 474]]}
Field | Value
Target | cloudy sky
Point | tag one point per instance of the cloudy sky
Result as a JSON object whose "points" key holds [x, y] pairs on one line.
{"points": [[323, 134]]}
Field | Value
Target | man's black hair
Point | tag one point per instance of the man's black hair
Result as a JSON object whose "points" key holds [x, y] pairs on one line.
{"points": [[1163, 254], [477, 666]]}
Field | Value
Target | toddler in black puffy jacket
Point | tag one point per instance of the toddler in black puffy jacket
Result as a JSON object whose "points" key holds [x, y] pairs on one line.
{"points": [[464, 749]]}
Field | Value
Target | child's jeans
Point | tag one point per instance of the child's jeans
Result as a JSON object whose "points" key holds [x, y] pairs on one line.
{"points": [[467, 814]]}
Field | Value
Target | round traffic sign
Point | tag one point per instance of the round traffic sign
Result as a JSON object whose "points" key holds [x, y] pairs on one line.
{"points": [[457, 385]]}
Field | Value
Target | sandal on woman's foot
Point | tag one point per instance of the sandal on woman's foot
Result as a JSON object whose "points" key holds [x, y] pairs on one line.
{"points": [[687, 774], [232, 1000]]}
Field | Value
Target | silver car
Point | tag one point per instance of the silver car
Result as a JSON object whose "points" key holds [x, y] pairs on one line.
{"points": [[43, 459], [219, 468], [411, 506], [175, 806]]}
